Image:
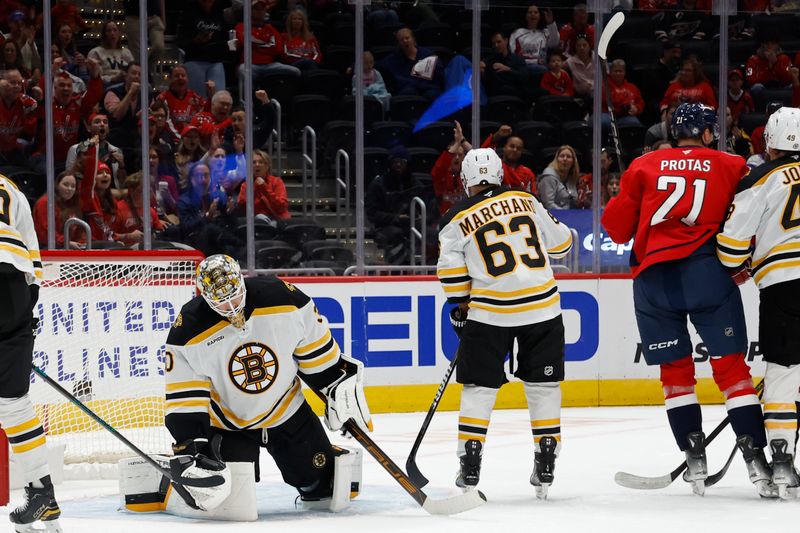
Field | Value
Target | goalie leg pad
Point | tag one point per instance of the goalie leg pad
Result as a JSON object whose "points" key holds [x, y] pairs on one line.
{"points": [[143, 489], [346, 481]]}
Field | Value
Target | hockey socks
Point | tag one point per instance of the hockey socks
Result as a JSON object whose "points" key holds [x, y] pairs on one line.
{"points": [[732, 376], [683, 410]]}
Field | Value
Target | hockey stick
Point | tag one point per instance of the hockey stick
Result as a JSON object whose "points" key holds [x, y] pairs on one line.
{"points": [[445, 506], [171, 473], [411, 463], [633, 481], [602, 50]]}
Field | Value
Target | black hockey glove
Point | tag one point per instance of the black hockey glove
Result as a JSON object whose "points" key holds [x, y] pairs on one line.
{"points": [[458, 319], [199, 458]]}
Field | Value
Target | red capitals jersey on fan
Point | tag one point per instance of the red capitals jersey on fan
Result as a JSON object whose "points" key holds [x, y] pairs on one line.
{"points": [[181, 110], [672, 201]]}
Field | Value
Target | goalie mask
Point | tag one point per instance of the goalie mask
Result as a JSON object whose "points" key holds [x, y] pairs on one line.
{"points": [[783, 130], [220, 282], [481, 166]]}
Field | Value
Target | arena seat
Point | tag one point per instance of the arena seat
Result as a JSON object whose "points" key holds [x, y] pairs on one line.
{"points": [[324, 82], [277, 254], [422, 159], [408, 107], [387, 134], [436, 135], [537, 134]]}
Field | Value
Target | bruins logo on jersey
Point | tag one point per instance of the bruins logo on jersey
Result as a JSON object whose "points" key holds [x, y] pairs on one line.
{"points": [[253, 367]]}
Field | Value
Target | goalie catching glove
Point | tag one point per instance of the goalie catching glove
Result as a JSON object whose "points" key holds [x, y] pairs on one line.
{"points": [[198, 458], [344, 398]]}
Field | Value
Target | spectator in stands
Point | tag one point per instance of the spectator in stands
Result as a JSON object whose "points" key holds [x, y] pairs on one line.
{"points": [[203, 212], [690, 86], [131, 212], [380, 15], [611, 189], [216, 120], [660, 130], [219, 164], [580, 65], [570, 31], [12, 60], [739, 99], [23, 34], [74, 61], [586, 182], [166, 135], [269, 192], [757, 135], [122, 105], [69, 110], [97, 201], [300, 47], [263, 124], [65, 13], [738, 142], [659, 78], [412, 70], [532, 42], [504, 73], [625, 98], [78, 85], [158, 176], [203, 36], [683, 22], [17, 120], [446, 171], [768, 67], [373, 82], [556, 80], [558, 183], [267, 47], [515, 174], [189, 152], [112, 56], [109, 154], [388, 201], [182, 102], [155, 30], [66, 206]]}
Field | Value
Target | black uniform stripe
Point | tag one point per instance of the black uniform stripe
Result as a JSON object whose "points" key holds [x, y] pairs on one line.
{"points": [[218, 412], [198, 393], [775, 258], [517, 301], [15, 242], [325, 348], [30, 435], [780, 416], [546, 431], [473, 429], [733, 251], [455, 281]]}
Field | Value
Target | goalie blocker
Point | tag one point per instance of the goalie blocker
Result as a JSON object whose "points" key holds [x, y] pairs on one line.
{"points": [[144, 490]]}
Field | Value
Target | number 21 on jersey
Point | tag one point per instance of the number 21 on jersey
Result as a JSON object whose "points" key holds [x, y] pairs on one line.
{"points": [[679, 189]]}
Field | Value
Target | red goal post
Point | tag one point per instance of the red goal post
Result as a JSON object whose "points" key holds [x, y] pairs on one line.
{"points": [[103, 320]]}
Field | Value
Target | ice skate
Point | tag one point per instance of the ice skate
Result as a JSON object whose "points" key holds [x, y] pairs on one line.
{"points": [[544, 464], [470, 472], [40, 505], [696, 467], [757, 468], [784, 475]]}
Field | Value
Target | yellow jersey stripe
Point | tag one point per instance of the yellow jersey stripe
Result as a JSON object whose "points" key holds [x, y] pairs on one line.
{"points": [[789, 246], [521, 309], [182, 385], [546, 422], [471, 209], [455, 271], [12, 232], [176, 404], [780, 425], [319, 361], [464, 287], [539, 437], [780, 407], [564, 246], [284, 406], [22, 252], [731, 260], [473, 421], [275, 310], [207, 333], [471, 436], [13, 431], [731, 242], [772, 173], [766, 270], [308, 348], [512, 294], [22, 448], [245, 423]]}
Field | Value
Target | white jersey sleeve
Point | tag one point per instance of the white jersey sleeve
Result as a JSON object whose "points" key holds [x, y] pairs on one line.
{"points": [[494, 251], [19, 245], [317, 350], [766, 207], [187, 391]]}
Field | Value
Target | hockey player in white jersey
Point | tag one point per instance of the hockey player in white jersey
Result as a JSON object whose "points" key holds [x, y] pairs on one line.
{"points": [[767, 208], [493, 263], [234, 360], [20, 271]]}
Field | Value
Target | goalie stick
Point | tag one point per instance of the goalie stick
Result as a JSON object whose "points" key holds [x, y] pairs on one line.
{"points": [[602, 50], [411, 463], [633, 481], [170, 473]]}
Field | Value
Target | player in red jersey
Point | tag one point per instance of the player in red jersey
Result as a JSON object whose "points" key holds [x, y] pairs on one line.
{"points": [[674, 202]]}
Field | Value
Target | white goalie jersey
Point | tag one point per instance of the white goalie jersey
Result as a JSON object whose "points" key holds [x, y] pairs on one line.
{"points": [[494, 253], [19, 245], [237, 379], [767, 206]]}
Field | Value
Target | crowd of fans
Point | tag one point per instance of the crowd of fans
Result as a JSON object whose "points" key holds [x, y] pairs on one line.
{"points": [[534, 59]]}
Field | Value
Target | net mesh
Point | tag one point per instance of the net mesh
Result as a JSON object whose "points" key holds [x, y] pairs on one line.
{"points": [[101, 334]]}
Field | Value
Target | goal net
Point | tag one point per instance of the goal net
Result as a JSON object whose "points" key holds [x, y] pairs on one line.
{"points": [[103, 321]]}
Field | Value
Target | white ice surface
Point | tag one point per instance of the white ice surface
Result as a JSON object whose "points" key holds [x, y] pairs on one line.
{"points": [[597, 442]]}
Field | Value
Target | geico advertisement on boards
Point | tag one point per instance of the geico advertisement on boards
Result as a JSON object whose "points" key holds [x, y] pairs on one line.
{"points": [[401, 329]]}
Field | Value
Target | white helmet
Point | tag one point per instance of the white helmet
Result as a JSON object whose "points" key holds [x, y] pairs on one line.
{"points": [[783, 130], [481, 166], [221, 284]]}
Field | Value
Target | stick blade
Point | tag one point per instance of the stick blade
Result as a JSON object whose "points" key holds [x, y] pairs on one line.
{"points": [[608, 32], [455, 504], [414, 474], [632, 481]]}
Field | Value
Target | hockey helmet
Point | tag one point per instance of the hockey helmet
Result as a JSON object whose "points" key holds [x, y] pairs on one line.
{"points": [[783, 130], [221, 284], [690, 121], [481, 166]]}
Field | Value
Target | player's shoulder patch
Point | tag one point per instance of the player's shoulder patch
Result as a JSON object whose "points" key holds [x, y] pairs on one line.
{"points": [[466, 203], [760, 174], [269, 291], [194, 317]]}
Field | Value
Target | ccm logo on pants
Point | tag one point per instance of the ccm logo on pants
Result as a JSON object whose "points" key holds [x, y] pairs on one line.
{"points": [[660, 345]]}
